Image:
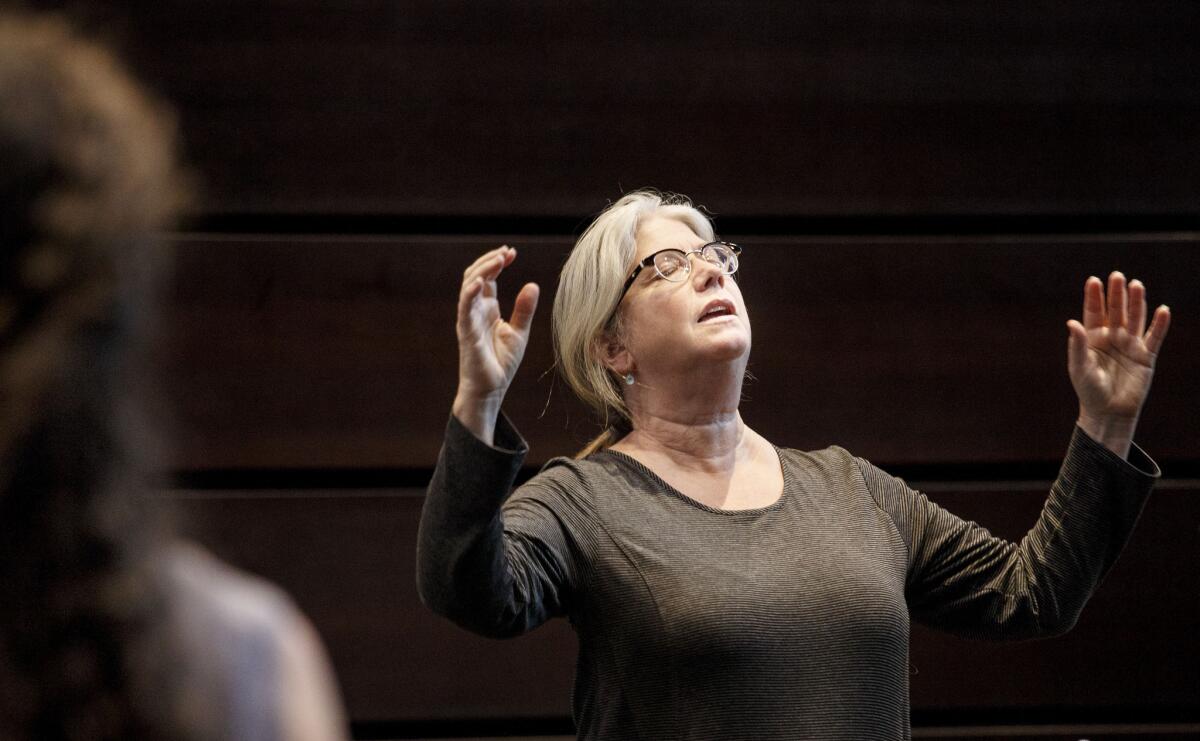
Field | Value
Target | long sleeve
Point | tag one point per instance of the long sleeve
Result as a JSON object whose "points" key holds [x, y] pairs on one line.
{"points": [[495, 571], [962, 579]]}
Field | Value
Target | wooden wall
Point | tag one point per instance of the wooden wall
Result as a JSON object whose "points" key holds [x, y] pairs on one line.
{"points": [[755, 108], [921, 188], [339, 352]]}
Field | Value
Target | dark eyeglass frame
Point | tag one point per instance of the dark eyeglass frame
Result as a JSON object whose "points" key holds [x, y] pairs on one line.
{"points": [[649, 261]]}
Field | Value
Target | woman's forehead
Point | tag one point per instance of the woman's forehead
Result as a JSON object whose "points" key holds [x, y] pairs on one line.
{"points": [[662, 232]]}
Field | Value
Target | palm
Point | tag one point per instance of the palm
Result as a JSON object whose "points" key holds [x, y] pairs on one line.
{"points": [[1116, 372], [1111, 356], [489, 348], [495, 347]]}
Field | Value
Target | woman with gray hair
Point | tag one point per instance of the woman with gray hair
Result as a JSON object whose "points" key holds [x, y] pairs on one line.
{"points": [[722, 587]]}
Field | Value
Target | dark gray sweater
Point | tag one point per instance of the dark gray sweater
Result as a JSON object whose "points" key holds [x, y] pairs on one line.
{"points": [[786, 622]]}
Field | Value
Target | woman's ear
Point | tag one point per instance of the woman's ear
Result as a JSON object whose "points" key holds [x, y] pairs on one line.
{"points": [[613, 354]]}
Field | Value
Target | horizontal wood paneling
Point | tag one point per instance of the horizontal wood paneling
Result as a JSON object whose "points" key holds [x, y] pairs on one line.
{"points": [[327, 352], [348, 558], [753, 107]]}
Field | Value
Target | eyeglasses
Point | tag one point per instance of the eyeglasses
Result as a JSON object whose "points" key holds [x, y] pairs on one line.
{"points": [[673, 265]]}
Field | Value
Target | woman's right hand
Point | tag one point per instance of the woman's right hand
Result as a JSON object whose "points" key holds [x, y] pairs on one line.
{"points": [[489, 348]]}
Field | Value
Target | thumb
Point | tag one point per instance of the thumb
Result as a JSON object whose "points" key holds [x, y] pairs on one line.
{"points": [[1077, 347], [524, 307]]}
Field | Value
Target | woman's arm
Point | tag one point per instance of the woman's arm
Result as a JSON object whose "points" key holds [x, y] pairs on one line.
{"points": [[492, 579], [961, 578], [964, 580], [491, 574]]}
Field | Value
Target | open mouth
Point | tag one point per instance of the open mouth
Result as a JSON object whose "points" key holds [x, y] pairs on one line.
{"points": [[716, 309]]}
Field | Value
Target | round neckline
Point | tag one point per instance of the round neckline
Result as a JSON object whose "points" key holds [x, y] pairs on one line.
{"points": [[656, 479]]}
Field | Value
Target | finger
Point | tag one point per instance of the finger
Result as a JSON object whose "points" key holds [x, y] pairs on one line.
{"points": [[1077, 347], [465, 297], [492, 270], [487, 270], [487, 262], [1116, 300], [1158, 329], [525, 306], [486, 257], [1093, 303], [1137, 307], [487, 273]]}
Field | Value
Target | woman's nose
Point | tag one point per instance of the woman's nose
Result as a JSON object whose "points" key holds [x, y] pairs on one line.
{"points": [[705, 274]]}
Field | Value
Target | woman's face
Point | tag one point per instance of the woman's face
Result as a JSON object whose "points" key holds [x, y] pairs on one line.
{"points": [[672, 326]]}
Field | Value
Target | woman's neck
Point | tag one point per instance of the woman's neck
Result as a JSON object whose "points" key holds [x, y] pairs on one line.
{"points": [[699, 429]]}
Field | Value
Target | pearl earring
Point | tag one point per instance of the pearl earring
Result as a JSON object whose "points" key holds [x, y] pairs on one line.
{"points": [[628, 379]]}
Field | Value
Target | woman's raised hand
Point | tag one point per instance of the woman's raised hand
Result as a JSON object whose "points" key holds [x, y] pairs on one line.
{"points": [[489, 348], [1110, 358]]}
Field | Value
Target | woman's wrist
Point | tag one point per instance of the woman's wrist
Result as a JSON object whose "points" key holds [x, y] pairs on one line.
{"points": [[1114, 433], [477, 414]]}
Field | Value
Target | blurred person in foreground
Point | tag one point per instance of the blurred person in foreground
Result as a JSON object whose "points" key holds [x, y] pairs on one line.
{"points": [[723, 587], [110, 627]]}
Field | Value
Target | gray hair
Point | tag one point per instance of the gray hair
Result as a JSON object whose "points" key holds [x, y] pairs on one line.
{"points": [[589, 288]]}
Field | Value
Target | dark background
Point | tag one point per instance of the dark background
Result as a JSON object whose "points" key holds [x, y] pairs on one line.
{"points": [[921, 189]]}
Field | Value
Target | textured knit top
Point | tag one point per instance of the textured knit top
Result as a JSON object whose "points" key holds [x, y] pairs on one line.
{"points": [[786, 622]]}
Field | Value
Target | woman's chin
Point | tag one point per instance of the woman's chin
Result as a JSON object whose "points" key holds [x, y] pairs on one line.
{"points": [[728, 349]]}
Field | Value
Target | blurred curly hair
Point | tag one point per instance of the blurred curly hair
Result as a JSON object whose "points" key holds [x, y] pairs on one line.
{"points": [[88, 174]]}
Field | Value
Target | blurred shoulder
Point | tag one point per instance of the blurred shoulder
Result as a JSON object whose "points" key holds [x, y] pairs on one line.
{"points": [[246, 641], [211, 590]]}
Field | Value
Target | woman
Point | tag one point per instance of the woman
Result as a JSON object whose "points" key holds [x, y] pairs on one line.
{"points": [[720, 587], [109, 627]]}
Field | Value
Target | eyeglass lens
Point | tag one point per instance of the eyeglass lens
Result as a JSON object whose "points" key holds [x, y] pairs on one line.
{"points": [[673, 264]]}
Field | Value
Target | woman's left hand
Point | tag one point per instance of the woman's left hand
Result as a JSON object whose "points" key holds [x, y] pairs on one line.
{"points": [[1111, 356]]}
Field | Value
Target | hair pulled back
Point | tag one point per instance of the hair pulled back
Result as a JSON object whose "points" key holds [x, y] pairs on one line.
{"points": [[589, 288]]}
